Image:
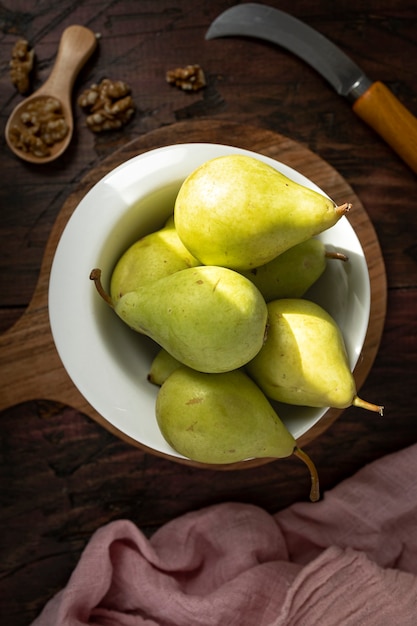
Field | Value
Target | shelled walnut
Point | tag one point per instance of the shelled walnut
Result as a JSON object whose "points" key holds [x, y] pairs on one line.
{"points": [[21, 65], [41, 125], [189, 78], [109, 105]]}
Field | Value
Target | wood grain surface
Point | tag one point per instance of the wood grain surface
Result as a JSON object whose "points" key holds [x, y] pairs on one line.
{"points": [[62, 475]]}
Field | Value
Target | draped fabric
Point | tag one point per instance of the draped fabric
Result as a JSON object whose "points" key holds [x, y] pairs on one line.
{"points": [[348, 560]]}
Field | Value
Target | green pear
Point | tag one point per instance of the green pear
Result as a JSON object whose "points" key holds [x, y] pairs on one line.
{"points": [[223, 418], [153, 256], [239, 212], [292, 273], [162, 366], [304, 359], [208, 317]]}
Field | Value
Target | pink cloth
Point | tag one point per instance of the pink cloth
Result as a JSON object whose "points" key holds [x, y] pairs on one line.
{"points": [[348, 560]]}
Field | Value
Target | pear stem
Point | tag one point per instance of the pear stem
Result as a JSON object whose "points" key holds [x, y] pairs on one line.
{"points": [[336, 255], [343, 208], [95, 275], [315, 486], [363, 404]]}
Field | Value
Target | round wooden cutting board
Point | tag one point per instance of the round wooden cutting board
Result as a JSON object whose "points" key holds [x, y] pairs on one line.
{"points": [[30, 367]]}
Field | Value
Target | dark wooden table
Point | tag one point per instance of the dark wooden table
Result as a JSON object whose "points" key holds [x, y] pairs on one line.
{"points": [[61, 474]]}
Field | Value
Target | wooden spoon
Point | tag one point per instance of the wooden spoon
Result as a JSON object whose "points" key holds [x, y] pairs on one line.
{"points": [[76, 46]]}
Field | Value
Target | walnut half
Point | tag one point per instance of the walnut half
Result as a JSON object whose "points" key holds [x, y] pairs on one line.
{"points": [[40, 126], [189, 78], [21, 65], [108, 104]]}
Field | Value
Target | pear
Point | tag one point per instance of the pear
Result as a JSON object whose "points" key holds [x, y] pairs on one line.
{"points": [[304, 359], [292, 273], [169, 222], [162, 366], [153, 256], [223, 418], [208, 317], [239, 212]]}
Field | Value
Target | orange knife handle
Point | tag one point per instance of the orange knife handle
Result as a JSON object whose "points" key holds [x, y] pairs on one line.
{"points": [[383, 112]]}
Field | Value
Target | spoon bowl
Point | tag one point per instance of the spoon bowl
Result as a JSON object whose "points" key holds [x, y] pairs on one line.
{"points": [[76, 46]]}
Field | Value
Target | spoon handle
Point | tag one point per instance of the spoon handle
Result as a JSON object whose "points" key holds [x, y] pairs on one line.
{"points": [[76, 46]]}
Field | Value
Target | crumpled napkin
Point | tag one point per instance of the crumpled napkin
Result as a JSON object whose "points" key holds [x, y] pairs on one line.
{"points": [[348, 560]]}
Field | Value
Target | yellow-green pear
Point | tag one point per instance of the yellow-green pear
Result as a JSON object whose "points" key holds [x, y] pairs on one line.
{"points": [[292, 273], [223, 418], [163, 364], [153, 256], [208, 317], [304, 360], [239, 212]]}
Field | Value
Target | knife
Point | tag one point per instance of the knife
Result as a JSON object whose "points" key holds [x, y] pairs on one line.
{"points": [[371, 100]]}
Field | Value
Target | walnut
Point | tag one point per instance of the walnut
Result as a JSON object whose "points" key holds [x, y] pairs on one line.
{"points": [[21, 65], [41, 125], [189, 78], [109, 105]]}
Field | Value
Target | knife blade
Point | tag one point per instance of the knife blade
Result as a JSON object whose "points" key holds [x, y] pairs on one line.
{"points": [[372, 101]]}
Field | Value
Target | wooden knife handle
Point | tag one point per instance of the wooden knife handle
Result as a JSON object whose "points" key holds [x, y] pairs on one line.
{"points": [[383, 112]]}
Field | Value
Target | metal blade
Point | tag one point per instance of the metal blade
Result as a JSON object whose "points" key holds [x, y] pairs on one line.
{"points": [[264, 22]]}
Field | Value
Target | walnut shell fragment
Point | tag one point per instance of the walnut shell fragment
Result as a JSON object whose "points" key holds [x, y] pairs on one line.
{"points": [[189, 78], [108, 105], [21, 65]]}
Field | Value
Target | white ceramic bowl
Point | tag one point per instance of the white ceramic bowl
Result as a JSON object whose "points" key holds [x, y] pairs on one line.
{"points": [[107, 361]]}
